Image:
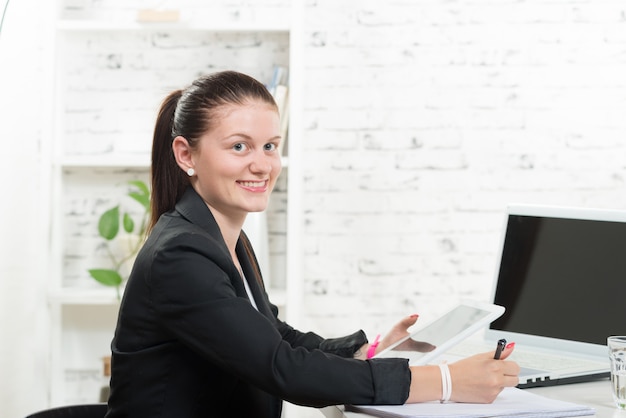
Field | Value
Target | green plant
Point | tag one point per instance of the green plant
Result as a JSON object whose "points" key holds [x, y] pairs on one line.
{"points": [[109, 228]]}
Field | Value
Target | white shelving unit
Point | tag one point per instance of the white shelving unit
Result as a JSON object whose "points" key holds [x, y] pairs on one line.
{"points": [[110, 76]]}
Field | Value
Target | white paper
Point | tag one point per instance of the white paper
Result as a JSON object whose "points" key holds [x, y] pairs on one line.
{"points": [[511, 402]]}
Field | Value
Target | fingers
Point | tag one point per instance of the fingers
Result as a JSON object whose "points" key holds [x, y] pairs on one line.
{"points": [[408, 321], [398, 332], [510, 381], [481, 378], [419, 346], [507, 350], [511, 368], [410, 344]]}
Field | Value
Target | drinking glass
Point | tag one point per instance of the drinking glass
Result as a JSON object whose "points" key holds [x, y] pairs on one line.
{"points": [[617, 356]]}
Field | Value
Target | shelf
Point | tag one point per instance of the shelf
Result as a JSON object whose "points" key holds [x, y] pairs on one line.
{"points": [[102, 25], [104, 296], [139, 161], [107, 297], [110, 73]]}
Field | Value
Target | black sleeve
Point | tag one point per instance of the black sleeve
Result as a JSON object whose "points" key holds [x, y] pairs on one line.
{"points": [[344, 346], [196, 303], [341, 346]]}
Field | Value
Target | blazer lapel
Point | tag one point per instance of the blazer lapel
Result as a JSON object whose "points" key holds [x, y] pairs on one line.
{"points": [[256, 287], [192, 207]]}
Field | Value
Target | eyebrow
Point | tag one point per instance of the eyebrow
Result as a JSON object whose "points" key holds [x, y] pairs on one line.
{"points": [[246, 136]]}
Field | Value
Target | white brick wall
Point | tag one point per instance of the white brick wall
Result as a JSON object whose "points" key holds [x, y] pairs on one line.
{"points": [[107, 76], [422, 121]]}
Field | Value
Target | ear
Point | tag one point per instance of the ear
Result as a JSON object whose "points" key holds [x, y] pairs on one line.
{"points": [[182, 153]]}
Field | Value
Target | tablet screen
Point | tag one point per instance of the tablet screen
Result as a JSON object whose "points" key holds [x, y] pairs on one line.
{"points": [[446, 331]]}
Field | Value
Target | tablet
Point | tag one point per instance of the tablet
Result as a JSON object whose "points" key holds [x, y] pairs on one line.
{"points": [[446, 331]]}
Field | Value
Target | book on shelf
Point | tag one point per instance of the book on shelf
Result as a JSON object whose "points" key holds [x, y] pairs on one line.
{"points": [[278, 87], [280, 76], [157, 15]]}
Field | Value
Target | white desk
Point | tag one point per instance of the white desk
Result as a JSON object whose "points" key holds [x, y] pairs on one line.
{"points": [[594, 394]]}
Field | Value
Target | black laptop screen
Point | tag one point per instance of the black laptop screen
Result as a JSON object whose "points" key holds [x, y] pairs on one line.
{"points": [[563, 278]]}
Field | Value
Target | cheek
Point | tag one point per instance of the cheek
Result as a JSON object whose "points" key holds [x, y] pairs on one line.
{"points": [[219, 167], [277, 168]]}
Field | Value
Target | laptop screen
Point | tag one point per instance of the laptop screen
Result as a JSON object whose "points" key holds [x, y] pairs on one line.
{"points": [[563, 278]]}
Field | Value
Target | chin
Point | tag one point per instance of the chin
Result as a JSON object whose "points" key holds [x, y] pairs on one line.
{"points": [[257, 208]]}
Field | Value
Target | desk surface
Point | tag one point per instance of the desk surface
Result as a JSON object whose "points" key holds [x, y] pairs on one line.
{"points": [[595, 394]]}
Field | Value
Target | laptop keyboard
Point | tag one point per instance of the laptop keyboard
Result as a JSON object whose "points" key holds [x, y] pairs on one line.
{"points": [[548, 362], [534, 360]]}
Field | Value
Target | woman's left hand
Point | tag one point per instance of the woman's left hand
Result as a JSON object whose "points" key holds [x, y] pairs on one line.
{"points": [[400, 331]]}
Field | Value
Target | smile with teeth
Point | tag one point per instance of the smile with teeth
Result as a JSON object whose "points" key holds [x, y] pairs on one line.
{"points": [[253, 184]]}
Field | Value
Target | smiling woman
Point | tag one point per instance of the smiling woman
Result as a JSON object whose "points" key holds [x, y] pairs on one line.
{"points": [[197, 334]]}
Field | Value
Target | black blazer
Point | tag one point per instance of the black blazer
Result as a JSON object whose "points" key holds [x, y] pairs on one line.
{"points": [[189, 343]]}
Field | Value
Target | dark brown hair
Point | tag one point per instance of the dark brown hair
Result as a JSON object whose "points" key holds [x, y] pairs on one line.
{"points": [[190, 113]]}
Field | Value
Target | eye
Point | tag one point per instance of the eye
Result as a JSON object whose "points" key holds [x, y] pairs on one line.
{"points": [[269, 147], [239, 147]]}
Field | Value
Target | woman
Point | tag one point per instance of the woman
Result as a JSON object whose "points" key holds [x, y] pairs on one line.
{"points": [[197, 335]]}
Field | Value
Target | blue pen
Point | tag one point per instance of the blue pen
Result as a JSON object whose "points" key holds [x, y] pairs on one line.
{"points": [[499, 348]]}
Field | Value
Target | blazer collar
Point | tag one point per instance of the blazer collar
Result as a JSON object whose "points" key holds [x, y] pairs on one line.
{"points": [[193, 208]]}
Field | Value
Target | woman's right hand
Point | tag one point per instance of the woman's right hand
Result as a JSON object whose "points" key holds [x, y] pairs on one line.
{"points": [[480, 378], [475, 379]]}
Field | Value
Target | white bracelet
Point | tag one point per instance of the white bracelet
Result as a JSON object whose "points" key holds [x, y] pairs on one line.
{"points": [[446, 382]]}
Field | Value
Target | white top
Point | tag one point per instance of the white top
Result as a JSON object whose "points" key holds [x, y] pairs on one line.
{"points": [[249, 292]]}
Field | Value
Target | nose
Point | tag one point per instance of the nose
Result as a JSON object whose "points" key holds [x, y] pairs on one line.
{"points": [[261, 164]]}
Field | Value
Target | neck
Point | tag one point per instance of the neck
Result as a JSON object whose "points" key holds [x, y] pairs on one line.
{"points": [[230, 234], [230, 227]]}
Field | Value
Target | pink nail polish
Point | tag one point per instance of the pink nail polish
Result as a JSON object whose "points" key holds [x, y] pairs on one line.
{"points": [[510, 345]]}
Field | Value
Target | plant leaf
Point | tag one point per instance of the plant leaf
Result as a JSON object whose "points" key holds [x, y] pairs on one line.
{"points": [[144, 200], [109, 223], [128, 223], [143, 188], [142, 195], [106, 277]]}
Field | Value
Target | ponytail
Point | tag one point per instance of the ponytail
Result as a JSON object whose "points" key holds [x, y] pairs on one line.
{"points": [[168, 180]]}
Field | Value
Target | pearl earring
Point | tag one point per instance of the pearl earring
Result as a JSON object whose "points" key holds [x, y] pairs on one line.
{"points": [[191, 172]]}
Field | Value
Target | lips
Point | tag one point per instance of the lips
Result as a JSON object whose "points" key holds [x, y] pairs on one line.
{"points": [[255, 185]]}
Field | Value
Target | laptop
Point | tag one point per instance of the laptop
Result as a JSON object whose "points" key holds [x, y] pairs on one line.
{"points": [[562, 279]]}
